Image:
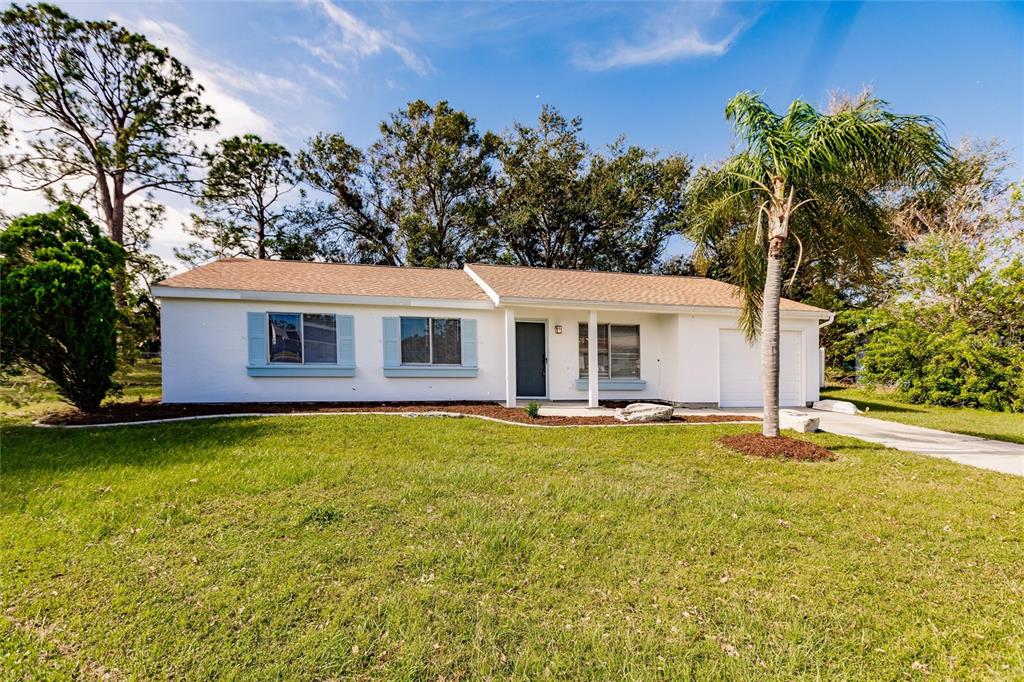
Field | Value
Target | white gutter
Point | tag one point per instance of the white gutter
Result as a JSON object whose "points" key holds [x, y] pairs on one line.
{"points": [[830, 320]]}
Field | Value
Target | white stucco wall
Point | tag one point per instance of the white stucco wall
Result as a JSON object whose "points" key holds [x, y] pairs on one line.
{"points": [[205, 353], [697, 379]]}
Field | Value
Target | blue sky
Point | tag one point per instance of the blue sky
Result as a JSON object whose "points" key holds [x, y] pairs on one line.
{"points": [[659, 73]]}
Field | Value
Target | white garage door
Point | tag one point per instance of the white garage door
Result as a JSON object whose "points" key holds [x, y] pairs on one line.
{"points": [[739, 372]]}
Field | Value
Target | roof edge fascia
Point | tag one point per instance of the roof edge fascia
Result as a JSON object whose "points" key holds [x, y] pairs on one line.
{"points": [[511, 301], [194, 293]]}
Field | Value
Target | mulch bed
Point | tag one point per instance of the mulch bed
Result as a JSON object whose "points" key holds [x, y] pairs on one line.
{"points": [[777, 448], [152, 409]]}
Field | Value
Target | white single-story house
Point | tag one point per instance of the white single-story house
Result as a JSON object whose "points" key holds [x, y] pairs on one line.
{"points": [[242, 330]]}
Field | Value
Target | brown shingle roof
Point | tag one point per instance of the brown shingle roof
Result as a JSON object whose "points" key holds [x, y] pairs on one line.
{"points": [[293, 277], [614, 287], [535, 284]]}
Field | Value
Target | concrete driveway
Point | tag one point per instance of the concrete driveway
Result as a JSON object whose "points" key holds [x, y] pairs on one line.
{"points": [[971, 450]]}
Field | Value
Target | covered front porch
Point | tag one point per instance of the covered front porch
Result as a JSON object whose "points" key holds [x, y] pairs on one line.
{"points": [[549, 356]]}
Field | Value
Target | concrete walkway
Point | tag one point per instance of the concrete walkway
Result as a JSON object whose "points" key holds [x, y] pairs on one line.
{"points": [[996, 455], [971, 450]]}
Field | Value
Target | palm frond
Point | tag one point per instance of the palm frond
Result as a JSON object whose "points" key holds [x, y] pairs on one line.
{"points": [[748, 272], [833, 169], [720, 199]]}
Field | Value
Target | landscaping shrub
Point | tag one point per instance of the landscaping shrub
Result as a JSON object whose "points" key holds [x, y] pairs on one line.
{"points": [[533, 409], [956, 366], [57, 302], [955, 336]]}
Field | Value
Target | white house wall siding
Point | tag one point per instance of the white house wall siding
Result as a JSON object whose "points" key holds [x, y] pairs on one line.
{"points": [[205, 353]]}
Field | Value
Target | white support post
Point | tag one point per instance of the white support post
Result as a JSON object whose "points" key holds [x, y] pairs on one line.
{"points": [[510, 358], [592, 378]]}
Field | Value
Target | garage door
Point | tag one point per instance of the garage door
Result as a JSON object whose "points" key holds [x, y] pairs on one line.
{"points": [[739, 372]]}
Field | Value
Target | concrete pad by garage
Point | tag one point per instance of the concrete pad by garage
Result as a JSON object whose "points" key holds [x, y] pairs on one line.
{"points": [[971, 450]]}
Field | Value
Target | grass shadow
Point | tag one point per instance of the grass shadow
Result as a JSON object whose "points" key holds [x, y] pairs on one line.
{"points": [[870, 405], [1008, 437], [30, 449]]}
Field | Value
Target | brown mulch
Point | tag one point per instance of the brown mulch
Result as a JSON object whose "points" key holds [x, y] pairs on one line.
{"points": [[777, 448], [151, 409]]}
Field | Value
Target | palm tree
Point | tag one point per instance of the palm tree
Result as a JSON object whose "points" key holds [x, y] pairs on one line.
{"points": [[818, 178]]}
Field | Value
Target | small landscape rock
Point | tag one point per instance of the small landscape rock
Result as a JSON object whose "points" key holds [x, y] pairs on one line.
{"points": [[644, 412], [836, 406], [798, 421]]}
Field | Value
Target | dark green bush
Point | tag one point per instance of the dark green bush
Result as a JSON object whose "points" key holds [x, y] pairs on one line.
{"points": [[57, 303], [952, 332], [953, 365]]}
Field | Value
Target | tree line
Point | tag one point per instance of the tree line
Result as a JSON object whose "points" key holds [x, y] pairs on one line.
{"points": [[434, 191]]}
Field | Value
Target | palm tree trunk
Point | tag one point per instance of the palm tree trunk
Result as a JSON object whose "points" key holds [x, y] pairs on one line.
{"points": [[770, 338]]}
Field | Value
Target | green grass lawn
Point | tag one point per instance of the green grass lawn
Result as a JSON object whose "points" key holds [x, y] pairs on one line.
{"points": [[390, 547], [985, 423]]}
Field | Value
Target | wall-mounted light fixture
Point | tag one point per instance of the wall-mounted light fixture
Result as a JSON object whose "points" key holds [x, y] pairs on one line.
{"points": [[558, 329]]}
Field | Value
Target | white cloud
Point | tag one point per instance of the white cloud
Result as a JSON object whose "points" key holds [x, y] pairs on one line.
{"points": [[353, 40], [682, 33], [332, 84], [223, 85], [172, 235]]}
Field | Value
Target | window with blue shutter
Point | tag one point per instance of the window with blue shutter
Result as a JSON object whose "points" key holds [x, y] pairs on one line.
{"points": [[257, 339], [392, 342], [283, 344], [346, 341], [429, 347]]}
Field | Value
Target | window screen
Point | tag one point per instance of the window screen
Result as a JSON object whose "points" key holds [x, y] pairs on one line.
{"points": [[446, 341], [285, 337], [618, 351], [624, 350], [415, 340], [431, 341], [319, 338]]}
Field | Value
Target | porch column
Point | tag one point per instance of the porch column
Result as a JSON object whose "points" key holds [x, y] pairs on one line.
{"points": [[510, 358], [592, 380]]}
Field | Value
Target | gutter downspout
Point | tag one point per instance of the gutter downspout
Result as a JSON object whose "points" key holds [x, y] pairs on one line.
{"points": [[821, 351]]}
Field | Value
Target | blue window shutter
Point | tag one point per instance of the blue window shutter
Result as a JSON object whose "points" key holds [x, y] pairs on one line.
{"points": [[257, 339], [392, 342], [346, 341], [468, 333]]}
